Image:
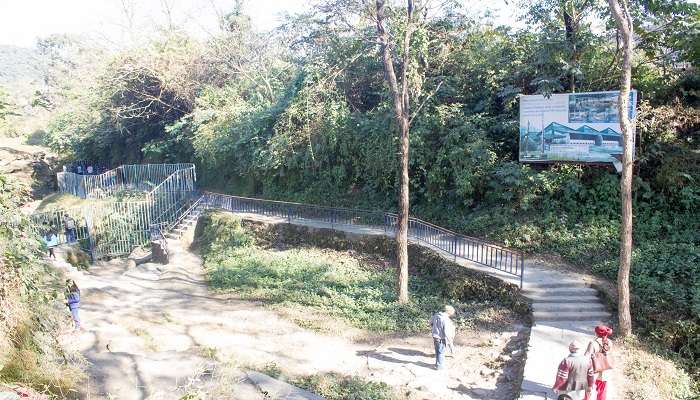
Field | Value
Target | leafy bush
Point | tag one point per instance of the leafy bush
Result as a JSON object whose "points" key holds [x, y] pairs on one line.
{"points": [[29, 324]]}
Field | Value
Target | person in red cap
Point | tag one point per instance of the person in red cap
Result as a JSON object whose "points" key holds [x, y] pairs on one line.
{"points": [[601, 346]]}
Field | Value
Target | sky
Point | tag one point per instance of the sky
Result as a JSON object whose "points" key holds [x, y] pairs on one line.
{"points": [[23, 21]]}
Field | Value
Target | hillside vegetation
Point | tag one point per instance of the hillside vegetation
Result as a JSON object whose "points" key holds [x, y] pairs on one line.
{"points": [[302, 113], [32, 317], [352, 280]]}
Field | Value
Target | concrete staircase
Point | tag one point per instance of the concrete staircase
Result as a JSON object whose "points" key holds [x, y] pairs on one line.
{"points": [[185, 225], [563, 309], [565, 301]]}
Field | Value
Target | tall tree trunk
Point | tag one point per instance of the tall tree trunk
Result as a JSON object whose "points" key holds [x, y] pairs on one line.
{"points": [[401, 113], [571, 38], [624, 27]]}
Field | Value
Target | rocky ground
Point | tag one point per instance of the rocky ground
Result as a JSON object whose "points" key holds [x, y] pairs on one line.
{"points": [[34, 165]]}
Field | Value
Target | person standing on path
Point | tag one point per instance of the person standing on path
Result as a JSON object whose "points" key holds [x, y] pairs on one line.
{"points": [[439, 324], [597, 348], [69, 225], [575, 375], [73, 302]]}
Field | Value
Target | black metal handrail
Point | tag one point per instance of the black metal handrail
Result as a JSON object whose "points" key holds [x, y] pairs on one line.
{"points": [[489, 254]]}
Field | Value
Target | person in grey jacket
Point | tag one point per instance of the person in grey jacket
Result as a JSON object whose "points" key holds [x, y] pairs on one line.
{"points": [[574, 375], [440, 325]]}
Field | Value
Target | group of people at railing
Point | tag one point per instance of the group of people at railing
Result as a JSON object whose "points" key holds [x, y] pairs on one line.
{"points": [[83, 167], [62, 230]]}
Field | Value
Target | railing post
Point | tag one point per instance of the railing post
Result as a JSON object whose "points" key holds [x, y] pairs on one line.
{"points": [[522, 269], [289, 215], [454, 246]]}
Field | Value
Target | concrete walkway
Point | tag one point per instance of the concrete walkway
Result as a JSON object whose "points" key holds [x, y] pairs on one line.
{"points": [[565, 308]]}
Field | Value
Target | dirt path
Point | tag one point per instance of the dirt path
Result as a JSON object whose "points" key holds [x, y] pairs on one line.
{"points": [[152, 329]]}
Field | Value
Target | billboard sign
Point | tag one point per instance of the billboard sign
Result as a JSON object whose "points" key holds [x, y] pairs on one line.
{"points": [[573, 127]]}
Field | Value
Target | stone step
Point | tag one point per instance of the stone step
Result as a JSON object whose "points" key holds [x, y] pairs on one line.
{"points": [[568, 307], [563, 291], [540, 316], [555, 285], [544, 298]]}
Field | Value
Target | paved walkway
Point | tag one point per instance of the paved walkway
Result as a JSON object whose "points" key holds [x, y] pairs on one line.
{"points": [[565, 308]]}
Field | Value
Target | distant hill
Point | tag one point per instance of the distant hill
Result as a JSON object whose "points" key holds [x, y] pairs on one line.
{"points": [[21, 75], [21, 71]]}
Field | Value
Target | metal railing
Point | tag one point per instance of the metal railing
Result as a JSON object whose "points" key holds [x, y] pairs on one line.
{"points": [[137, 177], [489, 254], [113, 228]]}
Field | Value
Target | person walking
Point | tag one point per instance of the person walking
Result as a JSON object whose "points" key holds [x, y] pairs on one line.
{"points": [[51, 241], [439, 325], [73, 302], [574, 378], [599, 351]]}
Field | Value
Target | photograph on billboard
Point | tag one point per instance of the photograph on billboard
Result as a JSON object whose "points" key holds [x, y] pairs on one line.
{"points": [[574, 127]]}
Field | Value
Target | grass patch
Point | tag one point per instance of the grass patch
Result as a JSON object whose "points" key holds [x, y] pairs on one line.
{"points": [[653, 376], [34, 361], [357, 285], [63, 201], [338, 285], [334, 386], [58, 201], [148, 340]]}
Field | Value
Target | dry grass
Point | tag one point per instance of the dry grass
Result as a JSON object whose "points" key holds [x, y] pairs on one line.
{"points": [[650, 376], [149, 341], [59, 201], [34, 359]]}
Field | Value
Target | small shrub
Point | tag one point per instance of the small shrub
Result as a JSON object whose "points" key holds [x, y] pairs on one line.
{"points": [[334, 386], [78, 258]]}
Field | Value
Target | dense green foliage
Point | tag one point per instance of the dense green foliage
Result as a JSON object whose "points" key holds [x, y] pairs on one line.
{"points": [[357, 287], [302, 114]]}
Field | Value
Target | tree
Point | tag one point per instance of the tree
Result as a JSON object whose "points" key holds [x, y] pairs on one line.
{"points": [[565, 37], [5, 106], [401, 102], [7, 109], [623, 20]]}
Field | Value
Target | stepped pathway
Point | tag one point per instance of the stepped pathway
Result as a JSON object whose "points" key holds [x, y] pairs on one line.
{"points": [[565, 308]]}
